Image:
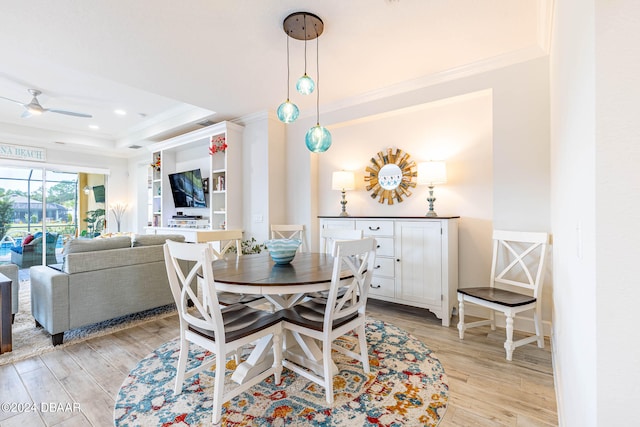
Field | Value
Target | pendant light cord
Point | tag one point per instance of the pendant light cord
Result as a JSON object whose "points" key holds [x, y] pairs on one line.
{"points": [[288, 77], [304, 17], [317, 77]]}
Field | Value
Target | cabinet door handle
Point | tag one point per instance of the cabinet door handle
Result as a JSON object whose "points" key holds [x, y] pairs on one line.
{"points": [[397, 259], [376, 287], [378, 247], [376, 267], [374, 229]]}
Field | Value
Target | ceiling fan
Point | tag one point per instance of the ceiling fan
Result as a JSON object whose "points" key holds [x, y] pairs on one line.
{"points": [[34, 108]]}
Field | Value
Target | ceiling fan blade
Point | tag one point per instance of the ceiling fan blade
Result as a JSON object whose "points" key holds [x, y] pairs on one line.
{"points": [[13, 100], [25, 114], [69, 113]]}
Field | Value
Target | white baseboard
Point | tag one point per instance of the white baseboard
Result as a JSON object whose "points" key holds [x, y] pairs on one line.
{"points": [[557, 379]]}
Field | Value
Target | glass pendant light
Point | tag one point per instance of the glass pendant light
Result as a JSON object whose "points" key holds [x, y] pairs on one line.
{"points": [[318, 138], [305, 84], [288, 111]]}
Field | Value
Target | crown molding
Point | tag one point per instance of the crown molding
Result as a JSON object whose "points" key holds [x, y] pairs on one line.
{"points": [[490, 64]]}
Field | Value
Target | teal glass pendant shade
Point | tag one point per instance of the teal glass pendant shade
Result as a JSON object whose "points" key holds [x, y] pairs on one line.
{"points": [[305, 85], [318, 139], [288, 112]]}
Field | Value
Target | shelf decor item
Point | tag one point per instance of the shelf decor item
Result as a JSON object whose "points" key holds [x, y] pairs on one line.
{"points": [[282, 251], [118, 210], [156, 164], [218, 144]]}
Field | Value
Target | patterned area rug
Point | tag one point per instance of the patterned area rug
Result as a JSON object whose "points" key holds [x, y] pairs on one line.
{"points": [[29, 341], [407, 387]]}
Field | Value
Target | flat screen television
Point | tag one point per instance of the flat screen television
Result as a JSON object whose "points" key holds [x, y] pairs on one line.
{"points": [[186, 188], [98, 193]]}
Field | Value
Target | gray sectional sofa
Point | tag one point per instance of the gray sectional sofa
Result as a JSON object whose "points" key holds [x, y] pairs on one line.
{"points": [[11, 271], [100, 279]]}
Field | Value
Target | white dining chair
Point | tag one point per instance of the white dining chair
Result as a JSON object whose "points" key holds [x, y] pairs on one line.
{"points": [[223, 242], [220, 330], [329, 236], [515, 285], [325, 319], [290, 231]]}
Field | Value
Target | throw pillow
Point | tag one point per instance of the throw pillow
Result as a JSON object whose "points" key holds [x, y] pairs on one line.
{"points": [[27, 239]]}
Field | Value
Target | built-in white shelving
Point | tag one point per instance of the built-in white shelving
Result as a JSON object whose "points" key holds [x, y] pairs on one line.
{"points": [[221, 172]]}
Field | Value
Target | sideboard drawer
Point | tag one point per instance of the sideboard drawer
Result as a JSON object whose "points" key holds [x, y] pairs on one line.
{"points": [[385, 246], [382, 287], [375, 228], [384, 267]]}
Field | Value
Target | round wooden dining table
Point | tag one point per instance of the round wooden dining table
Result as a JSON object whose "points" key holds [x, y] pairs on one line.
{"points": [[282, 285]]}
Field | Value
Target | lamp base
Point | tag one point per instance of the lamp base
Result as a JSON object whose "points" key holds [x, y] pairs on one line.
{"points": [[431, 200], [343, 202]]}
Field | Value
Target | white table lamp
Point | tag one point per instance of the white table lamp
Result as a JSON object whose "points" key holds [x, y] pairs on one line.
{"points": [[431, 173], [342, 181]]}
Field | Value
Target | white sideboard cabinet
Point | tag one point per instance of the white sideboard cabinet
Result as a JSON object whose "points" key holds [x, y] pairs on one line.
{"points": [[416, 259]]}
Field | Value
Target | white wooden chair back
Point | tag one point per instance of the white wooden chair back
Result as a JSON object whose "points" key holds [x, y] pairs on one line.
{"points": [[515, 286], [349, 297], [518, 261], [199, 256], [222, 241], [290, 231], [207, 328], [329, 236]]}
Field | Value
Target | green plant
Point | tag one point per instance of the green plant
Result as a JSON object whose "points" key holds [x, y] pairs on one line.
{"points": [[6, 215], [250, 246], [95, 222]]}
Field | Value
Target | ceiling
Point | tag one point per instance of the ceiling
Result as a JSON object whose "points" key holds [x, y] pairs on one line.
{"points": [[172, 65]]}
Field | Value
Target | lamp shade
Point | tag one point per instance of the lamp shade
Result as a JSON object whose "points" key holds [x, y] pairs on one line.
{"points": [[343, 180], [430, 173]]}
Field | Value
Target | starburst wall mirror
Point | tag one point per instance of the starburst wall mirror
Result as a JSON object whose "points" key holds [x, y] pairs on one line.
{"points": [[391, 176]]}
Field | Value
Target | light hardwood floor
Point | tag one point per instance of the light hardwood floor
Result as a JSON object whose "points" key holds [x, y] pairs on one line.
{"points": [[484, 389]]}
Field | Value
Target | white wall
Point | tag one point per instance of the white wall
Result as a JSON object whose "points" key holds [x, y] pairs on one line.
{"points": [[573, 213], [617, 197], [596, 210], [263, 158], [501, 182]]}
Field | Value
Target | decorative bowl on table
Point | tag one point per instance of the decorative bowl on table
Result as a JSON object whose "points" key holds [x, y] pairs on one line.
{"points": [[283, 251]]}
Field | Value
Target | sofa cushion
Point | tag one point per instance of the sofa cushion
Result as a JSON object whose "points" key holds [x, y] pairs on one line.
{"points": [[155, 239], [83, 262], [90, 245]]}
